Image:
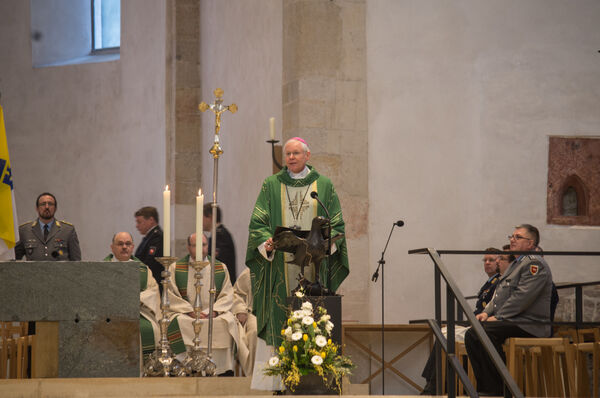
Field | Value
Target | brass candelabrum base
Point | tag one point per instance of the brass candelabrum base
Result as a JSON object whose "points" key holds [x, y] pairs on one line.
{"points": [[162, 362]]}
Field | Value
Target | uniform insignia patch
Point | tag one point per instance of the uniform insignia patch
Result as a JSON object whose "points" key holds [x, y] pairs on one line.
{"points": [[152, 250], [533, 269]]}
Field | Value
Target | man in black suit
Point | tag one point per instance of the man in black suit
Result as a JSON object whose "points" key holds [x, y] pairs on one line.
{"points": [[146, 222], [224, 245]]}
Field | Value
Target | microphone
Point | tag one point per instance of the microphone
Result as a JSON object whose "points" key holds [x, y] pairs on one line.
{"points": [[315, 196], [375, 276]]}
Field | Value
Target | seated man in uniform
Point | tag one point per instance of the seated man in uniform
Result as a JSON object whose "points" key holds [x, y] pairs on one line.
{"points": [[150, 312], [522, 300], [225, 329], [242, 309]]}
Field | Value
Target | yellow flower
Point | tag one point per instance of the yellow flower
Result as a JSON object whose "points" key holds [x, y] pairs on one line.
{"points": [[323, 355], [290, 322], [283, 332], [315, 325], [305, 337], [295, 348], [329, 341], [281, 349]]}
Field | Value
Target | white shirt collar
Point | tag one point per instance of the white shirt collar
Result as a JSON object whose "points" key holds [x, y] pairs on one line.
{"points": [[297, 176]]}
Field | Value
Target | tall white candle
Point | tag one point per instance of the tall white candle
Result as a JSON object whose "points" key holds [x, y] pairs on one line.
{"points": [[167, 222], [199, 217], [272, 127]]}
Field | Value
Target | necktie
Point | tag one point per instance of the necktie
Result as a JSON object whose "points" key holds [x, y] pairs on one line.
{"points": [[46, 231]]}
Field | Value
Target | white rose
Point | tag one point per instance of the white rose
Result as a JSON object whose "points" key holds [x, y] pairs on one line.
{"points": [[325, 318], [328, 326], [296, 336], [308, 320], [288, 332], [321, 341], [299, 294], [307, 306], [273, 361], [298, 314], [316, 360]]}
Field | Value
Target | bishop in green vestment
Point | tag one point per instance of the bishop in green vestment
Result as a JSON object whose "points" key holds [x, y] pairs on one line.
{"points": [[285, 200]]}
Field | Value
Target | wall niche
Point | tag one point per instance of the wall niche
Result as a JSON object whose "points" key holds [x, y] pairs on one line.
{"points": [[573, 180]]}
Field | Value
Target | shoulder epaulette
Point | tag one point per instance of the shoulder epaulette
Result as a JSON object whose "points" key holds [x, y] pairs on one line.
{"points": [[66, 222], [28, 222]]}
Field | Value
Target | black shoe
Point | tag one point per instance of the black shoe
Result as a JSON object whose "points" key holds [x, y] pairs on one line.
{"points": [[429, 388], [228, 373]]}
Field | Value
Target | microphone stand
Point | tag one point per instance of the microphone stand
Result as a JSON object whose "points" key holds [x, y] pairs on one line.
{"points": [[374, 279]]}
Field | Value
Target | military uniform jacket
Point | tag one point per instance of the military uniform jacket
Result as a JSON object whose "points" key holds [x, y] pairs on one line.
{"points": [[62, 243], [150, 247], [523, 295], [486, 293]]}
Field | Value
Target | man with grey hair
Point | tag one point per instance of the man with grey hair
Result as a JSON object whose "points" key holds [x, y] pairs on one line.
{"points": [[286, 199], [521, 303]]}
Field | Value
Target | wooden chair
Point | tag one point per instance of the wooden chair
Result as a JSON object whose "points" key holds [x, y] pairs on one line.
{"points": [[461, 354], [536, 366], [14, 348], [588, 342]]}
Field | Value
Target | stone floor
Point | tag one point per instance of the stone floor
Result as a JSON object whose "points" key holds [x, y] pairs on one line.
{"points": [[141, 387]]}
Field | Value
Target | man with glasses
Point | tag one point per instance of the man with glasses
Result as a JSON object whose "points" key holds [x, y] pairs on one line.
{"points": [[121, 248], [47, 239], [520, 308]]}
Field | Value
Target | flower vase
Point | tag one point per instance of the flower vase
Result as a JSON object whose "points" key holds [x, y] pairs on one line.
{"points": [[312, 384]]}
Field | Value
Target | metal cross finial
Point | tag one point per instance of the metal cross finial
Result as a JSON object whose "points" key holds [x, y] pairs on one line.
{"points": [[217, 108]]}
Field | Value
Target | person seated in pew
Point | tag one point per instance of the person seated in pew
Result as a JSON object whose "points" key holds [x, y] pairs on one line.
{"points": [[485, 294], [523, 294], [150, 313], [225, 329], [242, 309]]}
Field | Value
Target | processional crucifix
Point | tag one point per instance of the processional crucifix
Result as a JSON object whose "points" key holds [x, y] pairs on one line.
{"points": [[197, 362]]}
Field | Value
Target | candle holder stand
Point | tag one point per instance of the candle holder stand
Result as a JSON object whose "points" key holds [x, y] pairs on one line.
{"points": [[275, 162], [162, 362], [197, 362]]}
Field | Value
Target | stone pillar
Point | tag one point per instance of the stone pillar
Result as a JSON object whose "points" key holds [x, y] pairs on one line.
{"points": [[324, 101], [184, 149]]}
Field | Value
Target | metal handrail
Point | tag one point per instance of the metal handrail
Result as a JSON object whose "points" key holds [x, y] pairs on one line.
{"points": [[453, 293]]}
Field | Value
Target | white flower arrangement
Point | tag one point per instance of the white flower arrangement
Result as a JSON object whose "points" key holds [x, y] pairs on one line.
{"points": [[307, 348]]}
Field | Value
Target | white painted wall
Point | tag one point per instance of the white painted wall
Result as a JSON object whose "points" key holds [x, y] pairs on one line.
{"points": [[242, 54], [92, 134], [462, 98]]}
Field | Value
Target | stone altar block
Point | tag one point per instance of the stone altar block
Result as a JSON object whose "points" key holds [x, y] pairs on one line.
{"points": [[92, 308]]}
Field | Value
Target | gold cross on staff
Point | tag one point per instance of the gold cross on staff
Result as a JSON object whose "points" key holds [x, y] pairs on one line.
{"points": [[217, 108]]}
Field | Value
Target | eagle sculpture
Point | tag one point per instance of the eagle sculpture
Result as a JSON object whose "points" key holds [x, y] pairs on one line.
{"points": [[307, 247]]}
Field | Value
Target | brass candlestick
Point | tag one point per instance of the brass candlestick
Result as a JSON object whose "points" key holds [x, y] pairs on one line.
{"points": [[162, 362], [217, 108], [197, 363]]}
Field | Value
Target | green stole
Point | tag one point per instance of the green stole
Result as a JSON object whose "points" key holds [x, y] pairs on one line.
{"points": [[181, 276], [147, 332], [268, 278]]}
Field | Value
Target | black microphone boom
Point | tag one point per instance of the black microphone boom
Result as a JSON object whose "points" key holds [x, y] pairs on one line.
{"points": [[315, 196], [399, 223]]}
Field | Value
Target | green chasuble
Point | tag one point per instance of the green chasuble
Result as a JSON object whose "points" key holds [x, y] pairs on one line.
{"points": [[269, 278]]}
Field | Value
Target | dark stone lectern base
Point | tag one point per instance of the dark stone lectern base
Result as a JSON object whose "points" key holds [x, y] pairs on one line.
{"points": [[94, 307], [333, 305]]}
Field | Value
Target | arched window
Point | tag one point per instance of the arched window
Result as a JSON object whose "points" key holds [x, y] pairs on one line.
{"points": [[574, 197]]}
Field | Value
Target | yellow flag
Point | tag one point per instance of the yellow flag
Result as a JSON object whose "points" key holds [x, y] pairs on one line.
{"points": [[8, 219]]}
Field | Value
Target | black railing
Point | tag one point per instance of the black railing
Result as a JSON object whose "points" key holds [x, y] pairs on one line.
{"points": [[454, 316]]}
